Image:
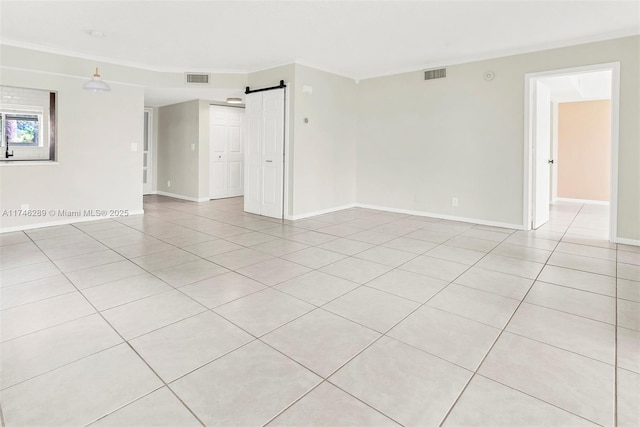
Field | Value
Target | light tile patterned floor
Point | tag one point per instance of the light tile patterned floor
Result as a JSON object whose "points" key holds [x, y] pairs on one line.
{"points": [[197, 313]]}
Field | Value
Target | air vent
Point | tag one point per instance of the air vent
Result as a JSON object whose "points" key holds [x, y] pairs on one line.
{"points": [[196, 78], [440, 73]]}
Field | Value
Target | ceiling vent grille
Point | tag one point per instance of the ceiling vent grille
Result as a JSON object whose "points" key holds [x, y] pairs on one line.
{"points": [[440, 73], [197, 78]]}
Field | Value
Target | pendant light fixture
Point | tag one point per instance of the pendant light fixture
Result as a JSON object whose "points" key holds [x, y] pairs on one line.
{"points": [[96, 84]]}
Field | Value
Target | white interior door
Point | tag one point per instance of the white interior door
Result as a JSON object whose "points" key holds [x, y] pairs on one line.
{"points": [[541, 154], [253, 153], [264, 153], [235, 154], [147, 153], [225, 152], [273, 153]]}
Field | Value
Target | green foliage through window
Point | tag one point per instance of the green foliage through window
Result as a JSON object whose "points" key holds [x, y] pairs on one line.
{"points": [[21, 129]]}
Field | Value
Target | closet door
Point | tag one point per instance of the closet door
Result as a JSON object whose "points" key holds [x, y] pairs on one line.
{"points": [[264, 153], [226, 158], [253, 153], [235, 154], [218, 134], [273, 153]]}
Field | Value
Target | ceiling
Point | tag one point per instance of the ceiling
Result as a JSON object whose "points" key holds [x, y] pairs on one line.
{"points": [[358, 39]]}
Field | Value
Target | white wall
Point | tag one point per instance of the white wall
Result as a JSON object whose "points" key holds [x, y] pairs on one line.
{"points": [[95, 167], [324, 155], [417, 143], [204, 163], [420, 143], [154, 148], [179, 127], [178, 163]]}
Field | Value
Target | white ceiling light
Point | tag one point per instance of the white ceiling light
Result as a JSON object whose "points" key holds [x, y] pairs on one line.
{"points": [[96, 84], [234, 100]]}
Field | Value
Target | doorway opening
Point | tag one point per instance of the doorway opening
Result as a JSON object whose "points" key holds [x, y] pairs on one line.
{"points": [[544, 96]]}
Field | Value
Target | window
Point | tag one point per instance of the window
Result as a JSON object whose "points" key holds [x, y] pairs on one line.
{"points": [[27, 124], [22, 129]]}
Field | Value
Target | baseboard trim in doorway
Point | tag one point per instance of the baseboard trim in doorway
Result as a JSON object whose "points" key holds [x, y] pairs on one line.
{"points": [[591, 202], [181, 197], [320, 212], [71, 220], [625, 241], [447, 217]]}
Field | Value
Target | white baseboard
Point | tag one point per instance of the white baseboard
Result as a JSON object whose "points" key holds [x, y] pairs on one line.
{"points": [[321, 212], [625, 241], [71, 220], [591, 202], [181, 197], [440, 216], [408, 212]]}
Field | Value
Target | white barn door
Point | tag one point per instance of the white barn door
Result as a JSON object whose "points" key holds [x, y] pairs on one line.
{"points": [[226, 156], [253, 153], [264, 153]]}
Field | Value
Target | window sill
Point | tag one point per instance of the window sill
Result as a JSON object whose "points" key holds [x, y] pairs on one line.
{"points": [[27, 163]]}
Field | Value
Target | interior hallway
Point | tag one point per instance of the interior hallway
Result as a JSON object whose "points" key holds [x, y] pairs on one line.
{"points": [[197, 313]]}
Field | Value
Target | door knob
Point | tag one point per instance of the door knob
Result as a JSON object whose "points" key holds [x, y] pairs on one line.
{"points": [[268, 161], [550, 162], [219, 157]]}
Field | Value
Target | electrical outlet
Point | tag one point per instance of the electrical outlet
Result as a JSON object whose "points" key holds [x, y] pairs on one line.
{"points": [[168, 183], [454, 201]]}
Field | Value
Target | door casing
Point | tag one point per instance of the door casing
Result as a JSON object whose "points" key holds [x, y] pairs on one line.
{"points": [[529, 142]]}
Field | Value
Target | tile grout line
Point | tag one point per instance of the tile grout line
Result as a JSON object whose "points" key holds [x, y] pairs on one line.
{"points": [[326, 379], [384, 334], [130, 347], [573, 314], [536, 398], [256, 338], [503, 329], [314, 309]]}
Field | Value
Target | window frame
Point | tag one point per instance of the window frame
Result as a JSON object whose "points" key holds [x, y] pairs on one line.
{"points": [[47, 129], [5, 117]]}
